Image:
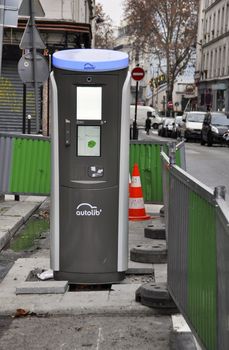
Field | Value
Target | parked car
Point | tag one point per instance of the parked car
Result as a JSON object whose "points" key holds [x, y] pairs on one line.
{"points": [[191, 125], [226, 137], [215, 128], [165, 129], [177, 121], [142, 112]]}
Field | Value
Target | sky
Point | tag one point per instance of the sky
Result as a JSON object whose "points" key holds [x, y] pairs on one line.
{"points": [[113, 8]]}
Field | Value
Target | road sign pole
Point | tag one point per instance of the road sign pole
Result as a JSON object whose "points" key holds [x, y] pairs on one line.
{"points": [[135, 126], [24, 110], [137, 74], [32, 18]]}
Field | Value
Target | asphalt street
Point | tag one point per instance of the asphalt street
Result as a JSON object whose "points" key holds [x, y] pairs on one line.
{"points": [[210, 165], [91, 332]]}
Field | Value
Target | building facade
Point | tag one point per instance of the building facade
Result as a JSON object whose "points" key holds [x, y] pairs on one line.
{"points": [[212, 66], [184, 92], [67, 24], [123, 43]]}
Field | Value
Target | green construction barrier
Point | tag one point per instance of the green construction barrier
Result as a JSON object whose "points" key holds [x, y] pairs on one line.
{"points": [[147, 156], [202, 274], [25, 164]]}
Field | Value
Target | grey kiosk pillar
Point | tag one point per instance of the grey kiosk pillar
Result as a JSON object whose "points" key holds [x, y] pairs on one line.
{"points": [[90, 165]]}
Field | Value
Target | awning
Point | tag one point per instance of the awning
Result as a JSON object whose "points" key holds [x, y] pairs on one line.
{"points": [[58, 26]]}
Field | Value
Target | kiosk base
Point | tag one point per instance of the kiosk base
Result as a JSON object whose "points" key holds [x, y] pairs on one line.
{"points": [[89, 278]]}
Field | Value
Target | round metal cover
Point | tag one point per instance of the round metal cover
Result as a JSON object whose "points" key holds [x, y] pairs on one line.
{"points": [[25, 68]]}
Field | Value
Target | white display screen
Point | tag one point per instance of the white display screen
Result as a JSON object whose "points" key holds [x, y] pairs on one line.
{"points": [[89, 103], [88, 141]]}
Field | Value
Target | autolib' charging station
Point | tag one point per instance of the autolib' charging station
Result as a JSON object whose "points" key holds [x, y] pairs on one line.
{"points": [[90, 165]]}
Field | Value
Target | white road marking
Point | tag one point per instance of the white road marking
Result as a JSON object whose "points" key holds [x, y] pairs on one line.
{"points": [[99, 339]]}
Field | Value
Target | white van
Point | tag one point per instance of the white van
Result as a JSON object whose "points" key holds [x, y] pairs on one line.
{"points": [[142, 112], [191, 125]]}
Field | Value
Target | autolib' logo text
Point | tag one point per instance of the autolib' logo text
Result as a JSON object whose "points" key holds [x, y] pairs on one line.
{"points": [[89, 66], [86, 209]]}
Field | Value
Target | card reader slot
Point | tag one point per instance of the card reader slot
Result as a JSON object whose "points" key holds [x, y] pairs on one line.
{"points": [[88, 182]]}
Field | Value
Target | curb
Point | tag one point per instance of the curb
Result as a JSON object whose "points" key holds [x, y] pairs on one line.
{"points": [[7, 234], [181, 336]]}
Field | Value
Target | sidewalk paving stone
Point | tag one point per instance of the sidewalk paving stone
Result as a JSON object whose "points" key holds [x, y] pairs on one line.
{"points": [[42, 287], [24, 210]]}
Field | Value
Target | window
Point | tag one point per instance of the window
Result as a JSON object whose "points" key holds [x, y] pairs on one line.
{"points": [[218, 22], [213, 27], [227, 17], [222, 21], [211, 65], [215, 63], [219, 61], [220, 119], [223, 60]]}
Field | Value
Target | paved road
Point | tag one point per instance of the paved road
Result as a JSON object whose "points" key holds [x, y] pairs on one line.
{"points": [[210, 165], [91, 332]]}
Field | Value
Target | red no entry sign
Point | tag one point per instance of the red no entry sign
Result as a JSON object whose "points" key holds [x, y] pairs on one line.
{"points": [[138, 73], [170, 104]]}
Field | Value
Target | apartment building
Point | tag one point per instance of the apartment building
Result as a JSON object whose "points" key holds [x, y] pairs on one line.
{"points": [[212, 66], [67, 24]]}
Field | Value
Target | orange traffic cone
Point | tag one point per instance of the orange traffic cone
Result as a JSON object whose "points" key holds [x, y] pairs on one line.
{"points": [[136, 202]]}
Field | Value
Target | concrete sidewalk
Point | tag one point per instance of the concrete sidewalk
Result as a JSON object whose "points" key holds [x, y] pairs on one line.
{"points": [[53, 297]]}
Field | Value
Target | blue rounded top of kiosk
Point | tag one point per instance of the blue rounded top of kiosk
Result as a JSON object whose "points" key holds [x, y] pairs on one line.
{"points": [[90, 60]]}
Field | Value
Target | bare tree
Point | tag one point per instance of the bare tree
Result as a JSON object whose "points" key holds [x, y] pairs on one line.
{"points": [[104, 35], [165, 28]]}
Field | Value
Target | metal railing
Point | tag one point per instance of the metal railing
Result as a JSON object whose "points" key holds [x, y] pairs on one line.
{"points": [[197, 221]]}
